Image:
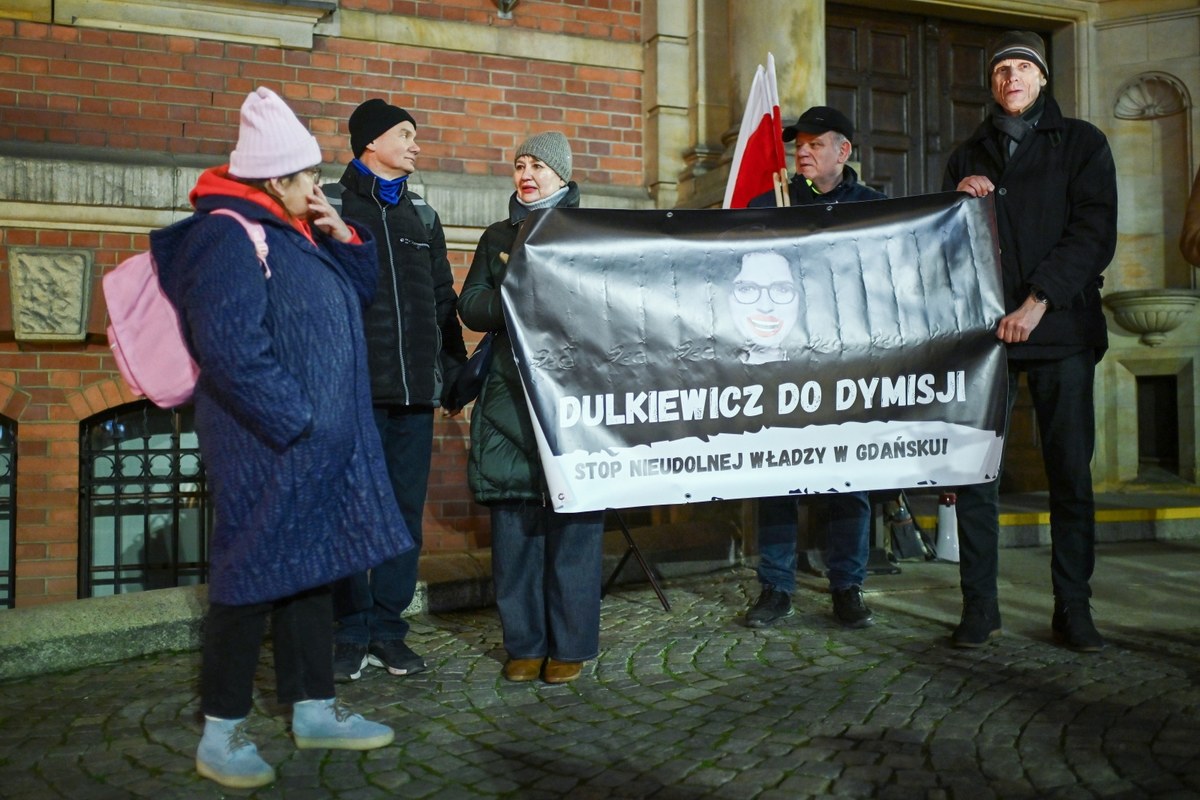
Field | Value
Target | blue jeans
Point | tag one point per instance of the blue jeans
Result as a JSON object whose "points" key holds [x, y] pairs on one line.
{"points": [[1062, 397], [546, 569], [847, 541], [370, 606]]}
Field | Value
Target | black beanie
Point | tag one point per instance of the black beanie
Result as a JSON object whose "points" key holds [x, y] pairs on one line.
{"points": [[371, 120]]}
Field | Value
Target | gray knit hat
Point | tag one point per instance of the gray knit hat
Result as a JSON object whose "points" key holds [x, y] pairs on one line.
{"points": [[1025, 45], [552, 149]]}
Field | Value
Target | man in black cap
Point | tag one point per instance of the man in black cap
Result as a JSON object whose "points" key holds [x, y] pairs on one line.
{"points": [[823, 143], [414, 349], [822, 136], [1055, 192]]}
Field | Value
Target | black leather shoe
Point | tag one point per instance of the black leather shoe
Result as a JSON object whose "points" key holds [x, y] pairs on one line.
{"points": [[850, 609], [1073, 627], [980, 623], [771, 605]]}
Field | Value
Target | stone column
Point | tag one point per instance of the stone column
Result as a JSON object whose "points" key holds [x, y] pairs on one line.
{"points": [[665, 95], [793, 31]]}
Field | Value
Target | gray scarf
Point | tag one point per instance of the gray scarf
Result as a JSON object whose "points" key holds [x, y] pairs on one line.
{"points": [[1014, 129]]}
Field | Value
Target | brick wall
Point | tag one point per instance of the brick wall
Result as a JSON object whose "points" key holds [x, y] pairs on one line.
{"points": [[140, 94]]}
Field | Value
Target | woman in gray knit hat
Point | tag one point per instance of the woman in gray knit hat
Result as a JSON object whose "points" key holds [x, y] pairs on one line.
{"points": [[546, 566]]}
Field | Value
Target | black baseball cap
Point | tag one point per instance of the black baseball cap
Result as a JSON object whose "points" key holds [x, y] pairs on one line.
{"points": [[818, 120]]}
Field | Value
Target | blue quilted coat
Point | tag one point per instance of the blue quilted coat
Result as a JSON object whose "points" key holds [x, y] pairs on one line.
{"points": [[283, 405]]}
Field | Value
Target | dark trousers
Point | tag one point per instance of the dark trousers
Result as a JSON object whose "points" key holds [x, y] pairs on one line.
{"points": [[302, 630], [370, 606], [1062, 397], [546, 568], [847, 540]]}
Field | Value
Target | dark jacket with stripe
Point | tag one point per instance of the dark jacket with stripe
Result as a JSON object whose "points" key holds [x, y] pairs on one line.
{"points": [[801, 192], [414, 341]]}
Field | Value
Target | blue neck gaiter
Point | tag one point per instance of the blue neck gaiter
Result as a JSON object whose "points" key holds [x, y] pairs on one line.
{"points": [[388, 190]]}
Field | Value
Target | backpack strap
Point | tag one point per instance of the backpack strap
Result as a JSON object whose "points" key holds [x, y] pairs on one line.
{"points": [[425, 212], [257, 234], [333, 193]]}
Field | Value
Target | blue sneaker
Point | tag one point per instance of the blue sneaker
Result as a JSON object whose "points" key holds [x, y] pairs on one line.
{"points": [[227, 757], [328, 723]]}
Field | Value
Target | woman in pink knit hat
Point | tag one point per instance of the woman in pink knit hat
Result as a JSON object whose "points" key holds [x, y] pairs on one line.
{"points": [[283, 415]]}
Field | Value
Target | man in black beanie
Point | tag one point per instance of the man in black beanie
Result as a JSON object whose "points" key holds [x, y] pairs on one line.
{"points": [[1055, 190], [414, 349]]}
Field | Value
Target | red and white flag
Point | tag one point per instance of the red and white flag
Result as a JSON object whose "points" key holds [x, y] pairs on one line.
{"points": [[759, 164]]}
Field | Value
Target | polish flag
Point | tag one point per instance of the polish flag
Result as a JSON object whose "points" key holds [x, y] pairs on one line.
{"points": [[759, 164]]}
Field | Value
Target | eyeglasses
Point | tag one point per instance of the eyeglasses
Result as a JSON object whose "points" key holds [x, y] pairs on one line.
{"points": [[779, 292], [314, 173]]}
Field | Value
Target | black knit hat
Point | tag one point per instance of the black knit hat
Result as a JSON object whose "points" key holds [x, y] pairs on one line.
{"points": [[371, 120], [1025, 45]]}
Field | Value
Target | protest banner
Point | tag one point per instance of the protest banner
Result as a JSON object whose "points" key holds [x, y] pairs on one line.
{"points": [[681, 356]]}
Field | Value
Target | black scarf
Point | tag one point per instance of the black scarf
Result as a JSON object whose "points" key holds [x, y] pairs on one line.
{"points": [[1014, 129]]}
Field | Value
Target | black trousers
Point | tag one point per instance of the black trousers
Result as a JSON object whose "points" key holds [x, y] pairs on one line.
{"points": [[302, 631], [1062, 397]]}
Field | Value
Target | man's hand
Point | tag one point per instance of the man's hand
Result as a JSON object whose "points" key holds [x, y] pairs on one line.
{"points": [[1017, 326], [977, 185]]}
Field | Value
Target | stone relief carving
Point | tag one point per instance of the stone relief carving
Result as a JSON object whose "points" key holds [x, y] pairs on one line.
{"points": [[1149, 96], [51, 292]]}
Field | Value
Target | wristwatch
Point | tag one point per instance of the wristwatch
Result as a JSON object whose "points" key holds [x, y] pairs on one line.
{"points": [[1039, 295]]}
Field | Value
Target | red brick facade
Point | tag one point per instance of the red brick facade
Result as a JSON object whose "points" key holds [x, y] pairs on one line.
{"points": [[138, 93]]}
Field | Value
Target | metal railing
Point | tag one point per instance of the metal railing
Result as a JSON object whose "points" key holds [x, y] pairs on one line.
{"points": [[145, 516]]}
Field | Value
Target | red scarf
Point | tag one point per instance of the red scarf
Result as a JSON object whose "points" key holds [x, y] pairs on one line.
{"points": [[216, 181]]}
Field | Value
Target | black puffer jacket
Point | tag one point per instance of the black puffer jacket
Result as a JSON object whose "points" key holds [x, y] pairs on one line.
{"points": [[504, 462], [414, 341], [1056, 209]]}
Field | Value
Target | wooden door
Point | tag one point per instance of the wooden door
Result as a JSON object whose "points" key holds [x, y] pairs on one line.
{"points": [[914, 86]]}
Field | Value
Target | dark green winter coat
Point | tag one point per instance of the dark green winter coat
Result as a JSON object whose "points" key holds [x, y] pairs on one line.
{"points": [[504, 462]]}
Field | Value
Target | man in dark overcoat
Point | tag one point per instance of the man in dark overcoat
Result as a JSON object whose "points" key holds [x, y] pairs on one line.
{"points": [[1055, 192]]}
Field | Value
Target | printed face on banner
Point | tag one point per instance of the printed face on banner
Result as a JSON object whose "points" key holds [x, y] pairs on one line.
{"points": [[765, 303], [683, 356]]}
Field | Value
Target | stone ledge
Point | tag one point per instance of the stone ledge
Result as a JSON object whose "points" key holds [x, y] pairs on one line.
{"points": [[66, 636], [113, 190]]}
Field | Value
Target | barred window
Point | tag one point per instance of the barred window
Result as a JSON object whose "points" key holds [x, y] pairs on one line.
{"points": [[144, 515], [8, 491]]}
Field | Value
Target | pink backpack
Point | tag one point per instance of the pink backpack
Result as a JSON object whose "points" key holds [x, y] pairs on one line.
{"points": [[143, 327]]}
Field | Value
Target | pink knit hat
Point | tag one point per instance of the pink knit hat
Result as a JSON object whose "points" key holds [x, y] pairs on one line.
{"points": [[271, 142]]}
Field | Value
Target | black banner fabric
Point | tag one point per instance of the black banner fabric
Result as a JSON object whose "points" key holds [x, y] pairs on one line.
{"points": [[684, 356]]}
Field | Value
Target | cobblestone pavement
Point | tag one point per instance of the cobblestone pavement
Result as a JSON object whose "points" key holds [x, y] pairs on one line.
{"points": [[691, 704]]}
